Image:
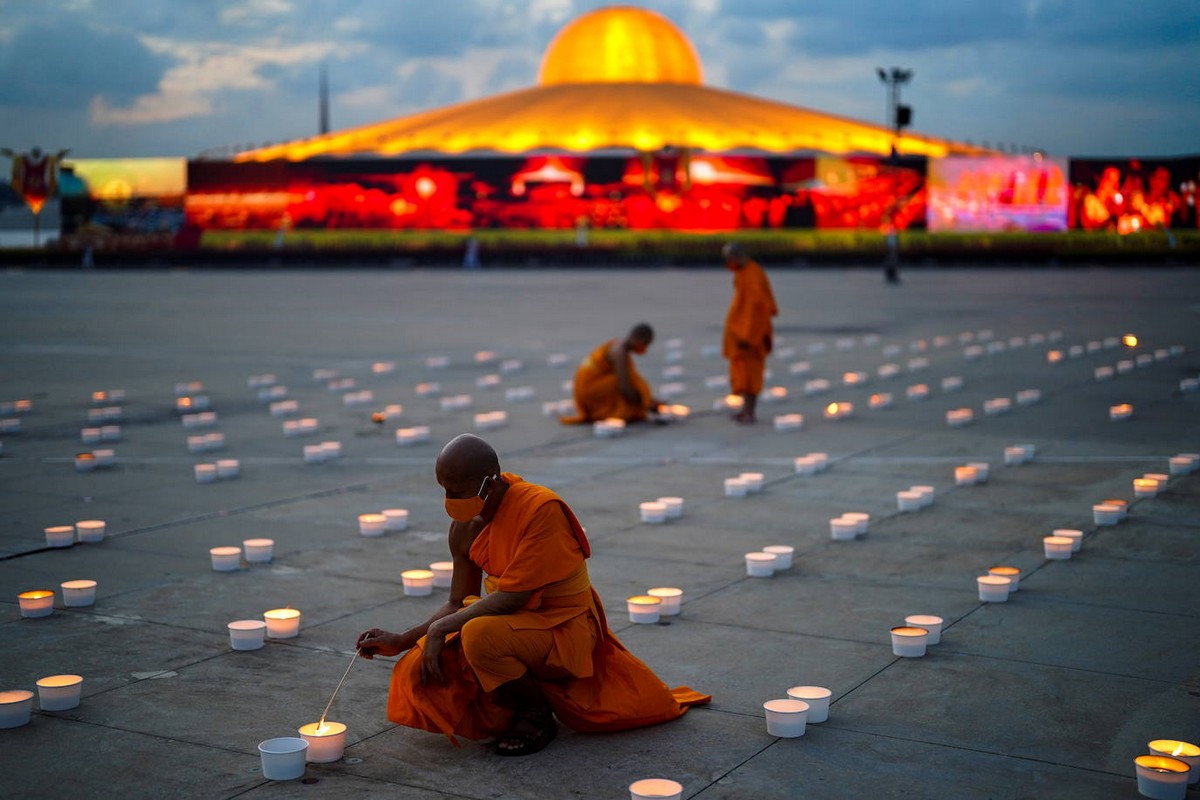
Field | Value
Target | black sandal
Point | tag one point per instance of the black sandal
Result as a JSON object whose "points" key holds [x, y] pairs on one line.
{"points": [[527, 736]]}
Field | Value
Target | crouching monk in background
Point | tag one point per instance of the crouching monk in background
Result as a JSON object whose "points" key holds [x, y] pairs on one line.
{"points": [[608, 385], [536, 647]]}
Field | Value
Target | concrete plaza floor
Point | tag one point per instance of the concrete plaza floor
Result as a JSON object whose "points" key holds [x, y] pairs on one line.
{"points": [[1049, 695]]}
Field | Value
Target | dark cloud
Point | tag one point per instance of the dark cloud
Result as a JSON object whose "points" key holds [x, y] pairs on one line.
{"points": [[65, 63]]}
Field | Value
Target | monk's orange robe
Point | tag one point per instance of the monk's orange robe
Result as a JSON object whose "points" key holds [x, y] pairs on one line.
{"points": [[598, 392], [591, 681], [749, 320]]}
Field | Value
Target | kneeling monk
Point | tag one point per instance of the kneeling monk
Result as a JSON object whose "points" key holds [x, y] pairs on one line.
{"points": [[537, 645], [608, 385]]}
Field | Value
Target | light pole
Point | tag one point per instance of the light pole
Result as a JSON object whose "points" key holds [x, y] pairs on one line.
{"points": [[898, 116]]}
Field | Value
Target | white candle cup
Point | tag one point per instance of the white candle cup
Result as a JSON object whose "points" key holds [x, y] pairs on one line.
{"points": [[395, 519], [283, 758], [674, 506], [326, 741], [655, 789], [997, 406], [958, 417], [788, 422], [838, 411], [861, 519], [805, 465], [880, 401], [842, 529], [760, 564], [282, 623], [284, 408], [1103, 373], [16, 708], [821, 460], [754, 481], [1120, 413], [783, 555], [214, 441], [247, 634], [1124, 365], [817, 697], [225, 559], [1162, 777], [1105, 514], [671, 598], [735, 487], [1012, 573], [258, 551], [644, 609], [1180, 465], [443, 573], [314, 454], [908, 500], [90, 435], [205, 473], [59, 692], [926, 493], [372, 524], [38, 603], [930, 623], [1029, 397], [228, 468], [78, 594], [1076, 537], [105, 457], [1122, 507], [1189, 385], [332, 450], [909, 641], [917, 391], [60, 535], [965, 476], [417, 582], [952, 383], [993, 588], [1057, 548], [653, 513], [786, 718], [1145, 488], [1186, 752]]}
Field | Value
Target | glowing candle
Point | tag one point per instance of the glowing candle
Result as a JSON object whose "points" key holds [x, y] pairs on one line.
{"points": [[85, 462], [753, 480], [60, 536], [644, 609], [842, 529], [417, 582], [326, 741], [1012, 573], [258, 551], [1054, 356], [671, 598], [997, 406], [879, 401], [929, 623], [1076, 537], [786, 718], [78, 594], [331, 450], [1106, 514], [965, 476], [926, 493], [1103, 373], [789, 422], [314, 454], [90, 435], [674, 506], [854, 378], [655, 789], [861, 519], [909, 641], [1144, 488], [1121, 412], [59, 692], [783, 555], [16, 707], [1180, 465], [836, 411], [817, 697], [1122, 507], [487, 381], [775, 394], [677, 412], [485, 357], [1162, 777], [993, 588], [443, 573], [760, 564], [38, 603], [225, 559], [282, 623], [735, 487], [1057, 548], [205, 473], [908, 500], [372, 524], [228, 468], [917, 391], [284, 408], [1186, 752], [982, 470], [247, 634], [653, 512], [1029, 397], [952, 383]]}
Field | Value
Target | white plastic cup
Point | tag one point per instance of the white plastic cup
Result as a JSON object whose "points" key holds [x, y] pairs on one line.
{"points": [[1075, 536], [228, 468], [225, 559], [16, 707], [909, 641], [655, 789], [282, 623], [258, 551], [926, 493], [283, 758], [754, 481], [36, 603], [325, 744], [1057, 548], [1161, 777], [674, 506], [417, 582], [1186, 752], [671, 597], [1012, 573], [783, 555], [1106, 514], [653, 512], [205, 473], [735, 487], [982, 470], [247, 634], [372, 524], [928, 622], [993, 588], [78, 594], [861, 519], [786, 718], [817, 697], [908, 500], [644, 609], [60, 536], [59, 692], [395, 519], [760, 564], [842, 529], [443, 573]]}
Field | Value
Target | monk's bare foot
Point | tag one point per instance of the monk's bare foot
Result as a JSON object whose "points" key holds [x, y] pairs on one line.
{"points": [[527, 736], [744, 418]]}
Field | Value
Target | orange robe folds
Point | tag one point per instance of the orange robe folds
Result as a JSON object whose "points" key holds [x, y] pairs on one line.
{"points": [[598, 392], [592, 682], [749, 320]]}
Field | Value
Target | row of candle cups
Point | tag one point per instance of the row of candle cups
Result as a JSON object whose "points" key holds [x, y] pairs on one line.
{"points": [[96, 459], [228, 558], [305, 426], [1165, 772], [203, 419], [656, 512], [205, 443], [998, 584], [40, 602], [104, 433], [971, 474], [915, 498], [85, 531], [608, 428], [378, 523], [788, 717], [224, 469], [771, 559], [283, 758], [850, 525], [918, 632], [55, 693]]}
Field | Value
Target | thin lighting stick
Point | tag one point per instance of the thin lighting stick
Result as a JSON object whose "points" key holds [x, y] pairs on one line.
{"points": [[336, 688]]}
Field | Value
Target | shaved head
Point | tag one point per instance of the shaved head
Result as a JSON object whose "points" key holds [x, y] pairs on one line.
{"points": [[464, 459], [642, 333]]}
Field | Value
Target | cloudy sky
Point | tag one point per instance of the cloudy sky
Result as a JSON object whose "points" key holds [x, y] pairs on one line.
{"points": [[110, 78]]}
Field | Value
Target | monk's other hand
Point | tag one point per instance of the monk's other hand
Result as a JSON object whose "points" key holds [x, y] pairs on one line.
{"points": [[431, 657], [378, 642]]}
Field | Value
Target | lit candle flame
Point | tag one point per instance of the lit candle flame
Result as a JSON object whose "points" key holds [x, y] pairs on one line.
{"points": [[1129, 340], [831, 409]]}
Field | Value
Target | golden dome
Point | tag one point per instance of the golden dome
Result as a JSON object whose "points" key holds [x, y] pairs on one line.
{"points": [[620, 44]]}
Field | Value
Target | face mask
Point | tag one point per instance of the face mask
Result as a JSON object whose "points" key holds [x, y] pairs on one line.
{"points": [[465, 509]]}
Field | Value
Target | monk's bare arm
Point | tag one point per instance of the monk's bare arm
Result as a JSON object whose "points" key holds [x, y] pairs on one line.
{"points": [[620, 362]]}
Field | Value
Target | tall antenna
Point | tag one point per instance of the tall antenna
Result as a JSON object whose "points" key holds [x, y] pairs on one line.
{"points": [[324, 100]]}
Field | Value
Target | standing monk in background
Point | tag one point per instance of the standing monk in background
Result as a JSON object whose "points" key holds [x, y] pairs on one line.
{"points": [[608, 385], [748, 333], [537, 646]]}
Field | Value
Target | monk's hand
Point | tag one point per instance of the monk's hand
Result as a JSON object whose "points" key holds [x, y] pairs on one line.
{"points": [[431, 659], [378, 642]]}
